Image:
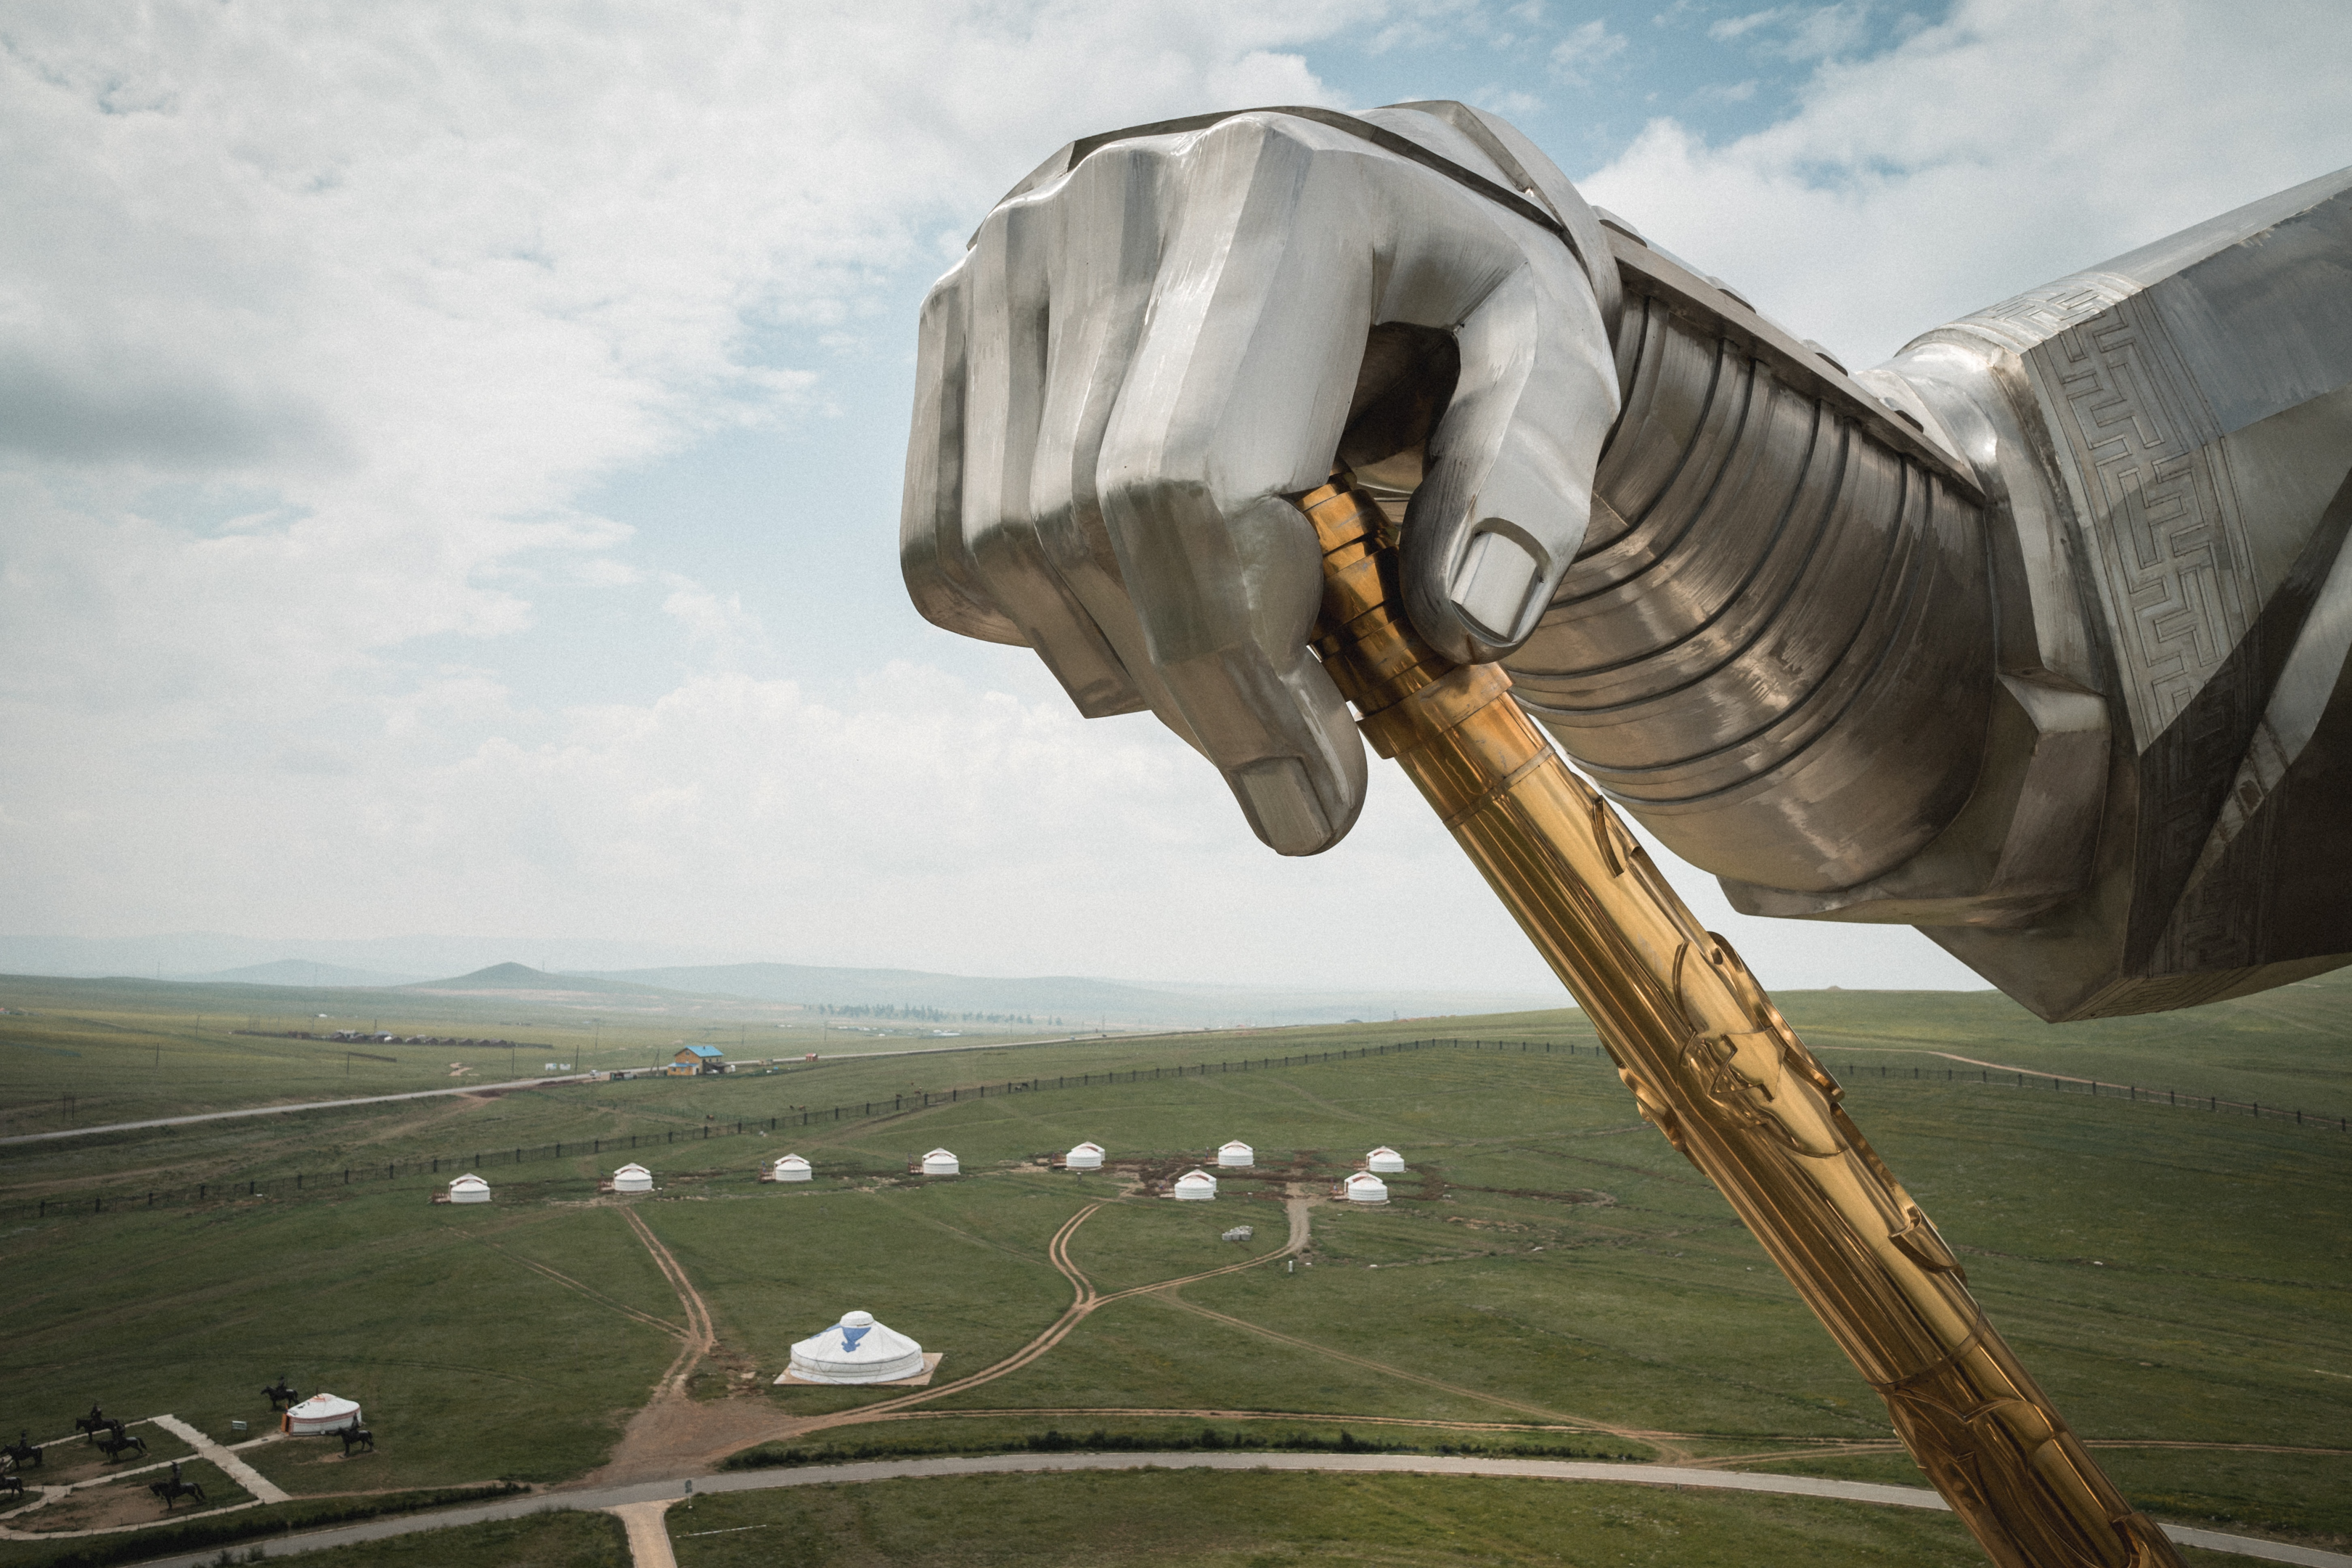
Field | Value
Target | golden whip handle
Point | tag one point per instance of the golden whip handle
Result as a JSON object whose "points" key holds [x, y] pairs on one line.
{"points": [[1714, 1065]]}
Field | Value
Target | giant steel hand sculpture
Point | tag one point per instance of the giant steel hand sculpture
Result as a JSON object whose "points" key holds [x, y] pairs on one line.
{"points": [[2034, 637]]}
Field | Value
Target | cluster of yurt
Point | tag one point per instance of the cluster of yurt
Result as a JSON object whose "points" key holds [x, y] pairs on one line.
{"points": [[855, 1350], [940, 1163], [1194, 1186], [1236, 1156], [320, 1413], [1384, 1161], [1085, 1157], [789, 1168], [1364, 1188]]}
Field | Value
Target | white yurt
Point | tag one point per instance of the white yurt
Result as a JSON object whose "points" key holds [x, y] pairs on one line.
{"points": [[1236, 1156], [857, 1349], [1384, 1160], [1195, 1186], [1085, 1157], [792, 1168], [633, 1179], [321, 1412], [939, 1162], [1364, 1188], [470, 1189]]}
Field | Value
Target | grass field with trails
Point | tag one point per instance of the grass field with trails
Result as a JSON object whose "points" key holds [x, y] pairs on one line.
{"points": [[1549, 1272]]}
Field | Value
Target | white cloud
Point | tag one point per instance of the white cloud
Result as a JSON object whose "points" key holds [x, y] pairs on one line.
{"points": [[1994, 152], [1731, 28], [400, 282], [1585, 48], [1805, 32], [918, 821]]}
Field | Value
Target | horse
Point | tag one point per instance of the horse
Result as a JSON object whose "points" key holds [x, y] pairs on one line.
{"points": [[356, 1435], [114, 1445], [95, 1422], [170, 1491], [281, 1394], [22, 1452], [10, 1482]]}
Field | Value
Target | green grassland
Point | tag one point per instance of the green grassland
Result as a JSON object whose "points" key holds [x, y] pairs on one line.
{"points": [[1227, 1519], [1549, 1270], [556, 1540], [82, 1053]]}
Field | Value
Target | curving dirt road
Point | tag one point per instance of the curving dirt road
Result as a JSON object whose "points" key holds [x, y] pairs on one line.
{"points": [[673, 1434]]}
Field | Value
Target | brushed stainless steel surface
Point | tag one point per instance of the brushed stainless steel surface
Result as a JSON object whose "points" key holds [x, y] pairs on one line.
{"points": [[1775, 647], [1143, 352], [2034, 637], [2186, 412]]}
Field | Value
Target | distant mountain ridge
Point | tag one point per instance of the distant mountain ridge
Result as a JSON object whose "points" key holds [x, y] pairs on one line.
{"points": [[1078, 1000], [574, 968], [521, 977]]}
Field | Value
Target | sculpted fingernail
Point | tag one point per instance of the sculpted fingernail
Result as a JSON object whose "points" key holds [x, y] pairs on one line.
{"points": [[1281, 804], [1491, 586]]}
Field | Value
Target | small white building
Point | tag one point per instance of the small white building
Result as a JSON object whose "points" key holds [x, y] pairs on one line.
{"points": [[857, 1349], [1364, 1188], [1385, 1162], [1236, 1156], [1195, 1186], [470, 1189], [633, 1179], [939, 1162], [321, 1412], [1085, 1157], [790, 1168]]}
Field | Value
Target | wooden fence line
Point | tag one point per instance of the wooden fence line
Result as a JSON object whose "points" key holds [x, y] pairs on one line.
{"points": [[481, 1159]]}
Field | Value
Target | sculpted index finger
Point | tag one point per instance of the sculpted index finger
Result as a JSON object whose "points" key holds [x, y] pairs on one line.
{"points": [[941, 577]]}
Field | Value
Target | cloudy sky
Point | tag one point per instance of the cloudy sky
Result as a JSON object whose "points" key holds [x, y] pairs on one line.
{"points": [[449, 455]]}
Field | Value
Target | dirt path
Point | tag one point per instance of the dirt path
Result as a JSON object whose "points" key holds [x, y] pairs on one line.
{"points": [[673, 1433], [648, 1531], [285, 1110], [699, 1338]]}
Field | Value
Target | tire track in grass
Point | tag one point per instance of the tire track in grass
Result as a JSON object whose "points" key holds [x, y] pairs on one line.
{"points": [[569, 1283], [1084, 1300], [1663, 1442], [699, 1338]]}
